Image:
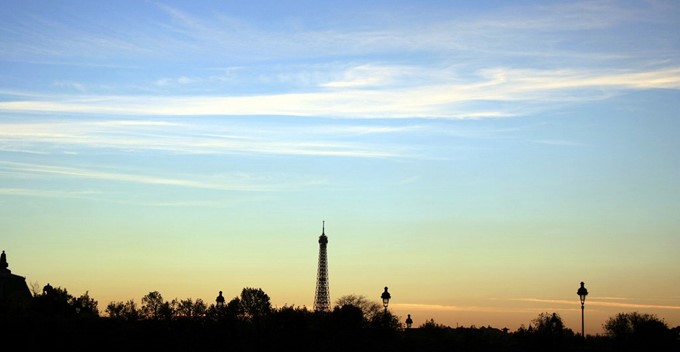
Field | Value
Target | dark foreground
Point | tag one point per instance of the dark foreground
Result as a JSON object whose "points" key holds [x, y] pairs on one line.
{"points": [[296, 335]]}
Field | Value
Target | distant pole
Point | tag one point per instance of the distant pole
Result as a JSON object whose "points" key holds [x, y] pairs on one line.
{"points": [[582, 293], [583, 324]]}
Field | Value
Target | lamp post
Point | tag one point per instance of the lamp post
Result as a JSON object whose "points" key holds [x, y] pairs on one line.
{"points": [[385, 299], [219, 301], [553, 330], [582, 293], [79, 306], [554, 322]]}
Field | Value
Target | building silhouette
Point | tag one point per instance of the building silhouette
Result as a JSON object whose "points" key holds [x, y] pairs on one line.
{"points": [[322, 300], [14, 293]]}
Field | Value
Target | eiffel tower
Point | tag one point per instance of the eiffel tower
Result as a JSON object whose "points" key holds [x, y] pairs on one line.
{"points": [[322, 300]]}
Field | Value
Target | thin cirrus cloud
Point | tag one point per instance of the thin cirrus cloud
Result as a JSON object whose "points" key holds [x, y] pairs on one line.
{"points": [[514, 309], [611, 302], [535, 89], [402, 31], [178, 32], [602, 303], [368, 89], [451, 308], [200, 137], [233, 182], [29, 192]]}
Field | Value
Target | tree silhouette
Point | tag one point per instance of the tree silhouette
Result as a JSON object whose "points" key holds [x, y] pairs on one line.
{"points": [[637, 331], [254, 303], [348, 317], [430, 324], [547, 323], [86, 306], [151, 305], [55, 301], [188, 309], [370, 309], [167, 310], [249, 323], [123, 311], [293, 319], [233, 309], [548, 333]]}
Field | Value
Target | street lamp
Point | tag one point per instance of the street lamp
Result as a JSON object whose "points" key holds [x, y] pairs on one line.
{"points": [[385, 298], [554, 321], [582, 293], [409, 322], [79, 306], [219, 301]]}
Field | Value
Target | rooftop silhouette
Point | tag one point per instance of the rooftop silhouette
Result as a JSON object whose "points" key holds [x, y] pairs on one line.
{"points": [[14, 293]]}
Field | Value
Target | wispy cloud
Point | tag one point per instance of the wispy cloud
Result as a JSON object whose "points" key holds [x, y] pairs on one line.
{"points": [[601, 303], [497, 32], [30, 192], [222, 182], [535, 88], [191, 136], [77, 86], [371, 75], [559, 142], [445, 308], [463, 308]]}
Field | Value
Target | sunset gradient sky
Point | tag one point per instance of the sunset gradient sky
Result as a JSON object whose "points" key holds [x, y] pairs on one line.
{"points": [[479, 158]]}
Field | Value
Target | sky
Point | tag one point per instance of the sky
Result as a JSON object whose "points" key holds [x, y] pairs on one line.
{"points": [[479, 158]]}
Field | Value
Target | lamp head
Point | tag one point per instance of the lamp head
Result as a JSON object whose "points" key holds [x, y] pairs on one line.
{"points": [[385, 297], [582, 293]]}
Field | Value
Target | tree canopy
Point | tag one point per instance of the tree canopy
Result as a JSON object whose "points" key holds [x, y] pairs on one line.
{"points": [[249, 322]]}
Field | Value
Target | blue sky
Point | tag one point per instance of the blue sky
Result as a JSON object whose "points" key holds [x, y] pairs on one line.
{"points": [[480, 158]]}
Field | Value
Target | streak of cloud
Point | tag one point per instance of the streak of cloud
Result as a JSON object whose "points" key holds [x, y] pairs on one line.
{"points": [[452, 308], [235, 182], [26, 192], [601, 304], [199, 137], [451, 100]]}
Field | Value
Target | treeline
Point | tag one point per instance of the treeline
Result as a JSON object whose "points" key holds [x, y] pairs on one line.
{"points": [[248, 322]]}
